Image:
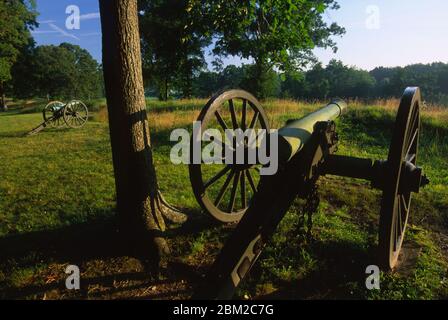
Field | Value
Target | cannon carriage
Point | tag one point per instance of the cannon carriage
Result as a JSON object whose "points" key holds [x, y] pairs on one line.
{"points": [[56, 114], [306, 149], [73, 114]]}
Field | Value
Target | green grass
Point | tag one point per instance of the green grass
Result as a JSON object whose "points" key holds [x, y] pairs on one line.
{"points": [[61, 179]]}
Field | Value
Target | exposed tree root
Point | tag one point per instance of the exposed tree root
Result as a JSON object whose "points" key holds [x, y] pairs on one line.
{"points": [[173, 214]]}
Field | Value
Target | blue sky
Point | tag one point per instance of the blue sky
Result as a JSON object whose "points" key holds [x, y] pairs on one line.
{"points": [[379, 32]]}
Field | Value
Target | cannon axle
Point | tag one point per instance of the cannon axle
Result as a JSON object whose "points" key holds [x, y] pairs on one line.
{"points": [[412, 177]]}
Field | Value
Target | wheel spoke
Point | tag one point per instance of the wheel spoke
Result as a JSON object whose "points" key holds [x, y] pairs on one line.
{"points": [[414, 119], [396, 230], [243, 116], [218, 141], [399, 217], [233, 114], [217, 177], [221, 121], [400, 222], [412, 142], [243, 190], [251, 181], [236, 179], [254, 120], [80, 118], [405, 206], [224, 188], [410, 157], [412, 125]]}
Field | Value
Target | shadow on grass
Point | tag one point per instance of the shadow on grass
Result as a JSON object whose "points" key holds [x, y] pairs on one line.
{"points": [[14, 134], [113, 257], [25, 133], [339, 274]]}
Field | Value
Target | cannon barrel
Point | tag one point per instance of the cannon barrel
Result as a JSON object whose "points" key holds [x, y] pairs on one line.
{"points": [[296, 133]]}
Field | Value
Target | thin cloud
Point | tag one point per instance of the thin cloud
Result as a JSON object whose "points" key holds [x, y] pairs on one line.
{"points": [[62, 32], [91, 34], [46, 21], [43, 31], [90, 16]]}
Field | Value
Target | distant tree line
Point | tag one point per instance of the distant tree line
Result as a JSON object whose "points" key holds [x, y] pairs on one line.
{"points": [[26, 70], [17, 18], [275, 34], [58, 72], [431, 78], [333, 80], [278, 36]]}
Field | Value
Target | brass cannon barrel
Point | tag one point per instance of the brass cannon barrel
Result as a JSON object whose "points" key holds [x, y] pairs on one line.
{"points": [[296, 133]]}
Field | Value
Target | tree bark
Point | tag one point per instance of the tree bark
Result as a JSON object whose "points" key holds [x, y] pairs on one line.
{"points": [[139, 203], [260, 78], [3, 106], [162, 85], [166, 89]]}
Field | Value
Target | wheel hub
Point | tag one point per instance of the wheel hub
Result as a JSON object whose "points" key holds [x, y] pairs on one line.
{"points": [[412, 178]]}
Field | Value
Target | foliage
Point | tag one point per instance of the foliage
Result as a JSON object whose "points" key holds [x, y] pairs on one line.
{"points": [[431, 78], [174, 33], [274, 33], [207, 83], [66, 71], [334, 80], [17, 17], [317, 83]]}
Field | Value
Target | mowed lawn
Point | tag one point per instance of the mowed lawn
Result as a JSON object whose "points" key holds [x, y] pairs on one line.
{"points": [[57, 208]]}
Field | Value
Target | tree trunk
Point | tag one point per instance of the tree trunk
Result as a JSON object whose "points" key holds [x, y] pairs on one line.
{"points": [[139, 202], [3, 106], [166, 89], [163, 89], [260, 78]]}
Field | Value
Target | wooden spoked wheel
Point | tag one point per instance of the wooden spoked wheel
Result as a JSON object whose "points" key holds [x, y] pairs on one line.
{"points": [[225, 190], [75, 114], [396, 199], [52, 114]]}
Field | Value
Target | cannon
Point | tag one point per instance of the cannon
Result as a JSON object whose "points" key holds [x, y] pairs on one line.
{"points": [[56, 114], [306, 151]]}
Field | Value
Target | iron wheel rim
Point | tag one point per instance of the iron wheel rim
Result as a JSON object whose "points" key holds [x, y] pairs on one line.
{"points": [[76, 114], [234, 179], [50, 114], [395, 206]]}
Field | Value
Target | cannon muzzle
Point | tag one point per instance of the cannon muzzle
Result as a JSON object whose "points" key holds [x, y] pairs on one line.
{"points": [[296, 133]]}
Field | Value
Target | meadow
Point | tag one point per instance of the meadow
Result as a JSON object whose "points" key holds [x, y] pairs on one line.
{"points": [[57, 208]]}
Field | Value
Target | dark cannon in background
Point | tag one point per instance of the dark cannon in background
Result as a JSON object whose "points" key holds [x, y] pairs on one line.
{"points": [[306, 149], [56, 114]]}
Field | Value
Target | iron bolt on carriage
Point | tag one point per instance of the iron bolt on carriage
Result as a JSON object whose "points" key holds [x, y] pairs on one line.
{"points": [[306, 150]]}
